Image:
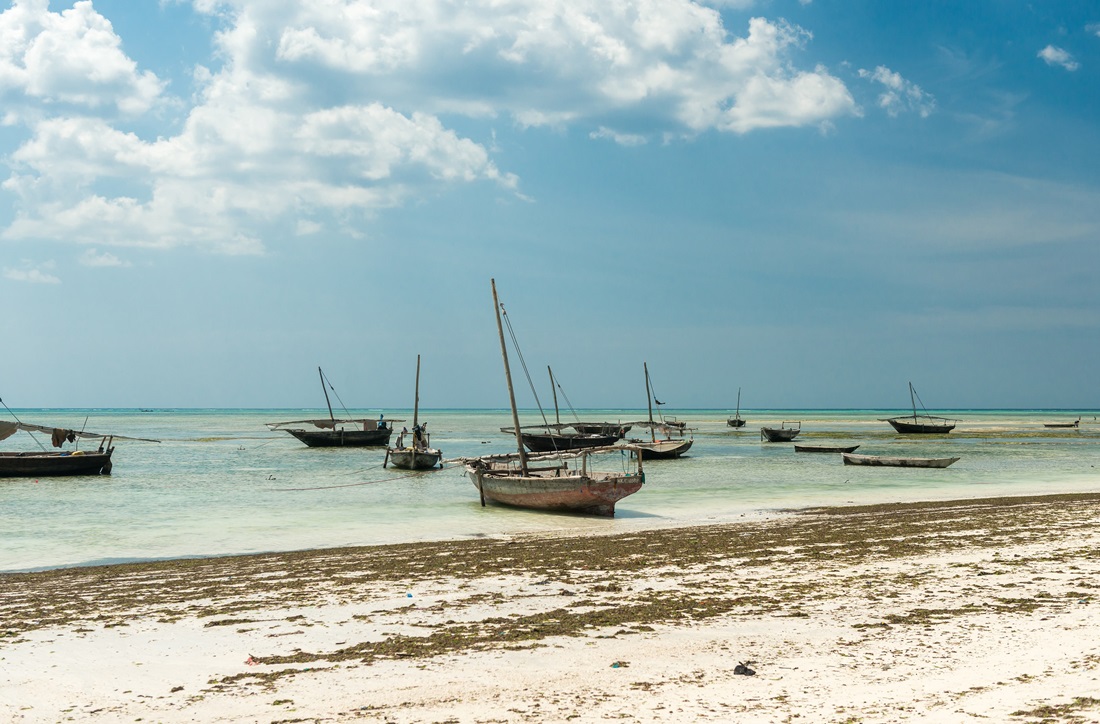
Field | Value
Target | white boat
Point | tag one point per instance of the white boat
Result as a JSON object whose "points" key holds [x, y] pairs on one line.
{"points": [[419, 455], [897, 462]]}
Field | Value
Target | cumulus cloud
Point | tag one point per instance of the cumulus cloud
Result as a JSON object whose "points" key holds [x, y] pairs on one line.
{"points": [[900, 95], [32, 274], [1054, 55], [317, 115], [72, 57]]}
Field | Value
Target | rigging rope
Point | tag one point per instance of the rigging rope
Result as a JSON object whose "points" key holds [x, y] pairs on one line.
{"points": [[329, 383], [523, 362]]}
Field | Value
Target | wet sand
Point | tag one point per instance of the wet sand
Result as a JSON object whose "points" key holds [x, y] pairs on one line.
{"points": [[947, 611]]}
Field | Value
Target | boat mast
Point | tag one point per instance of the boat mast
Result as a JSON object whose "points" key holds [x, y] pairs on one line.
{"points": [[738, 415], [508, 377], [649, 402], [913, 401], [327, 402], [416, 395], [557, 417]]}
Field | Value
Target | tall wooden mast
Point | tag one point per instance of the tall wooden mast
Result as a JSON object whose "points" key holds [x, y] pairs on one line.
{"points": [[508, 377], [324, 389]]}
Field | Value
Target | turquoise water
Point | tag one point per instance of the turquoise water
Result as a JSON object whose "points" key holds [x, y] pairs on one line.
{"points": [[221, 483]]}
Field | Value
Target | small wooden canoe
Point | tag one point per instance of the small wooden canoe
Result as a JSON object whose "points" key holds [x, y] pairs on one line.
{"points": [[825, 448], [850, 459]]}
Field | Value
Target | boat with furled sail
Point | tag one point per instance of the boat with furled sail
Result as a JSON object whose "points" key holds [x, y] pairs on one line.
{"points": [[420, 455], [550, 437], [673, 444], [44, 463], [333, 432], [920, 424], [736, 420], [562, 481]]}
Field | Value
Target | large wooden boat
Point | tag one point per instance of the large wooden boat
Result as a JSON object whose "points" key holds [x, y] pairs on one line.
{"points": [[549, 440], [783, 433], [45, 463], [618, 429], [923, 424], [897, 462], [558, 481], [419, 455], [736, 420], [1075, 423], [552, 437], [673, 444], [333, 432], [825, 448]]}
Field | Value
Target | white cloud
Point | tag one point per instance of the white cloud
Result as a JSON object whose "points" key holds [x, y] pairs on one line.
{"points": [[71, 57], [1054, 55], [900, 95], [31, 274], [317, 114], [623, 139], [1093, 28], [94, 259]]}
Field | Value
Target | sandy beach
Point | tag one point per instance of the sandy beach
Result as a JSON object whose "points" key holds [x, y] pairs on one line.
{"points": [[950, 611]]}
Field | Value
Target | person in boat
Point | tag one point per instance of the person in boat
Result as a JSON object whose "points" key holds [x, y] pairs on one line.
{"points": [[401, 438], [418, 437], [382, 422]]}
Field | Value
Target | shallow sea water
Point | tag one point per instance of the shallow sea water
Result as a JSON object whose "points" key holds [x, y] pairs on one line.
{"points": [[221, 483]]}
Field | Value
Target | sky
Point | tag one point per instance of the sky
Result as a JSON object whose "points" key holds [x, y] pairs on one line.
{"points": [[811, 201]]}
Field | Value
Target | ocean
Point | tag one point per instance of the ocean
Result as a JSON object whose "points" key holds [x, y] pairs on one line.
{"points": [[220, 482]]}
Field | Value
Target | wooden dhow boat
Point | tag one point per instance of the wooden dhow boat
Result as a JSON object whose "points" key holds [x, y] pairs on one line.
{"points": [[736, 420], [419, 455], [826, 448], [552, 437], [783, 433], [558, 481], [924, 424], [45, 463], [1075, 424], [618, 429], [333, 432], [673, 444], [897, 462]]}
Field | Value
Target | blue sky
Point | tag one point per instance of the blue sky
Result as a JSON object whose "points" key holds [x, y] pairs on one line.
{"points": [[202, 201]]}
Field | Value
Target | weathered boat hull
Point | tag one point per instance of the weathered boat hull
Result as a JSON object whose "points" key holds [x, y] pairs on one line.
{"points": [[342, 438], [602, 428], [50, 464], [592, 494], [897, 462], [409, 459], [779, 434], [662, 449], [920, 428], [553, 442], [735, 422], [825, 449]]}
